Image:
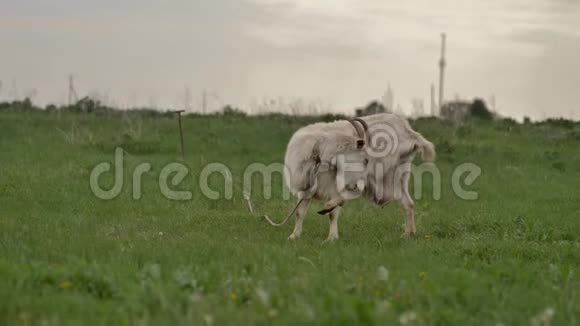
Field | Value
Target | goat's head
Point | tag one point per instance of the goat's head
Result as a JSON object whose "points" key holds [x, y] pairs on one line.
{"points": [[351, 163]]}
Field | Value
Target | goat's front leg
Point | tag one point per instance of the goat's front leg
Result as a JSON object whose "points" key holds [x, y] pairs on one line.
{"points": [[409, 208], [300, 214], [333, 232], [410, 228]]}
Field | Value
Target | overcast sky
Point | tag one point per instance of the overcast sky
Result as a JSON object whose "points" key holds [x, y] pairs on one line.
{"points": [[342, 53]]}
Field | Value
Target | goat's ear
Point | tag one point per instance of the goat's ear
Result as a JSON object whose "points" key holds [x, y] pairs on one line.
{"points": [[360, 144]]}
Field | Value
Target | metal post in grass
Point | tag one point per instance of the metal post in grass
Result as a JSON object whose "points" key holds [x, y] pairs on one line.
{"points": [[180, 132]]}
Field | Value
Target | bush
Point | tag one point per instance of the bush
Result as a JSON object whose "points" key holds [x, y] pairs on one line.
{"points": [[573, 135], [463, 131], [230, 111], [506, 125], [560, 166], [89, 105], [478, 109], [371, 108], [561, 122], [25, 104], [330, 117]]}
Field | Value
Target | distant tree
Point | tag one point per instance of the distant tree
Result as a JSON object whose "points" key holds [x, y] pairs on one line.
{"points": [[478, 109], [25, 104], [231, 111], [330, 117], [560, 122], [371, 108], [88, 104], [375, 107]]}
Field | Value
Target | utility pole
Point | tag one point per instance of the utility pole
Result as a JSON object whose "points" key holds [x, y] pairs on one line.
{"points": [[493, 107], [187, 99], [433, 103], [442, 64], [71, 90], [204, 102], [14, 91], [178, 112]]}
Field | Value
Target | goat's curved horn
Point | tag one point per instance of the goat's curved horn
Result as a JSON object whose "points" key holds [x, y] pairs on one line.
{"points": [[363, 123], [360, 132], [365, 127]]}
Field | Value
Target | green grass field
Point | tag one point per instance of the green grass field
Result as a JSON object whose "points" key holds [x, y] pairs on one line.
{"points": [[67, 257]]}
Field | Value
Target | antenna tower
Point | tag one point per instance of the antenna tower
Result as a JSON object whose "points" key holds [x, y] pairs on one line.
{"points": [[72, 93], [442, 64]]}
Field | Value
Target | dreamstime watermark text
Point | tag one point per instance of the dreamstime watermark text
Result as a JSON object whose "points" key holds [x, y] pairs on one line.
{"points": [[425, 177]]}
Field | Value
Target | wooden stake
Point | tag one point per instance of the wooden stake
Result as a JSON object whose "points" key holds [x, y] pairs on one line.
{"points": [[180, 133]]}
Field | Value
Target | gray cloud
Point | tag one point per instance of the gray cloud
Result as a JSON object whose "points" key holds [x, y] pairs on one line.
{"points": [[344, 52]]}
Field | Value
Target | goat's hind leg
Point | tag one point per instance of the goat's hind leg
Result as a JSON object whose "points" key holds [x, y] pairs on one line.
{"points": [[408, 207], [333, 217], [331, 205]]}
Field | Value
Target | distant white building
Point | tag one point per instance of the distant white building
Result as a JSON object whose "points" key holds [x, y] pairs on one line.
{"points": [[388, 100], [418, 106], [457, 110]]}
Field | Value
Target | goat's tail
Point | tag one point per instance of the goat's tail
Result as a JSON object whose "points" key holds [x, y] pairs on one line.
{"points": [[251, 208], [426, 147], [427, 150]]}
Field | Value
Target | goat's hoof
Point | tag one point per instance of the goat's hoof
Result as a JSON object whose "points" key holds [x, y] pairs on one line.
{"points": [[293, 237], [331, 238]]}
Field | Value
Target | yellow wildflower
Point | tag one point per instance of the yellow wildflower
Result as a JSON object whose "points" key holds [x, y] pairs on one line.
{"points": [[66, 284]]}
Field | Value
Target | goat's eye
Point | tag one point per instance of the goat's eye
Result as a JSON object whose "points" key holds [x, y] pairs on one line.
{"points": [[366, 161]]}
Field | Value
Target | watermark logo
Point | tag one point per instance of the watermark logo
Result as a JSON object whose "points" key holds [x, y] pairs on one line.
{"points": [[351, 174], [383, 141]]}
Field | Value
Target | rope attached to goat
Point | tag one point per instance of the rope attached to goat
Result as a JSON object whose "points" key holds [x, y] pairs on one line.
{"points": [[250, 206]]}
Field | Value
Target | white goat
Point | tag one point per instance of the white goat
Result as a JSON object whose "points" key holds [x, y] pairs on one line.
{"points": [[342, 160]]}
